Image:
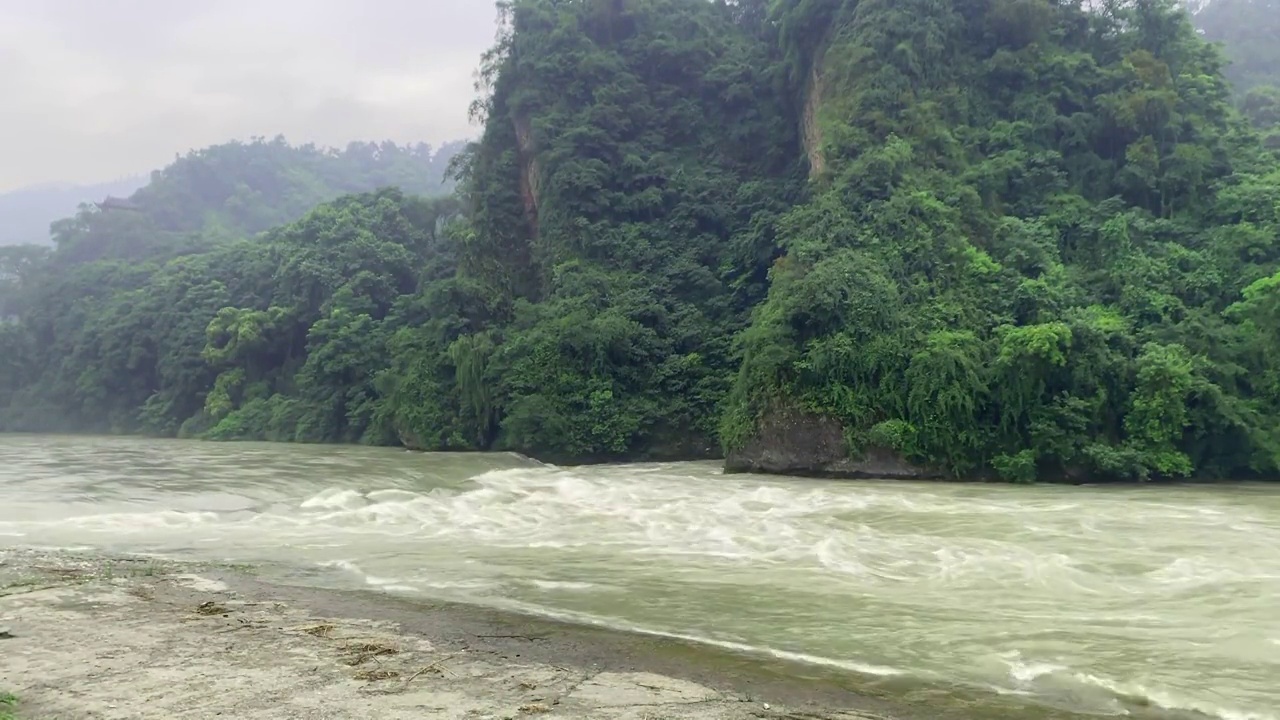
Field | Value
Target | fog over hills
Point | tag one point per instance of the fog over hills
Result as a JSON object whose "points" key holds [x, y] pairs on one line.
{"points": [[25, 213]]}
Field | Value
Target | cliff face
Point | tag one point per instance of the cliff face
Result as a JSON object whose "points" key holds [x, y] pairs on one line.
{"points": [[794, 442], [811, 131], [530, 175]]}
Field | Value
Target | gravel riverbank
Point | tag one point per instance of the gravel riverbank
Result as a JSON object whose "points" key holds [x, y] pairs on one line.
{"points": [[99, 637], [85, 636]]}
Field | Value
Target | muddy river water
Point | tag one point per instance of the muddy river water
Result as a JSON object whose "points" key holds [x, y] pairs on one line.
{"points": [[1093, 599]]}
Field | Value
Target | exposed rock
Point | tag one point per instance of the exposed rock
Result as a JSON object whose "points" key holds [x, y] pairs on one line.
{"points": [[410, 440], [679, 443], [795, 442], [811, 132], [304, 653], [530, 173], [814, 95]]}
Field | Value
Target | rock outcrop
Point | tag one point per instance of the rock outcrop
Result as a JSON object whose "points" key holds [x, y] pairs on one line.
{"points": [[530, 173], [795, 442], [810, 130]]}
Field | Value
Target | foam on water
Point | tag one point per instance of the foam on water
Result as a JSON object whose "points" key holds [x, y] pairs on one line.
{"points": [[703, 639], [1044, 592], [563, 585], [1024, 672], [1172, 700]]}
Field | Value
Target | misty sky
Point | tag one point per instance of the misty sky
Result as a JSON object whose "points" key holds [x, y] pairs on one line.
{"points": [[92, 90]]}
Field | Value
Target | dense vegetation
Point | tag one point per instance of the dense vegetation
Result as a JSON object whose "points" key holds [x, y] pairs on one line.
{"points": [[999, 237], [1040, 244], [623, 198], [166, 315]]}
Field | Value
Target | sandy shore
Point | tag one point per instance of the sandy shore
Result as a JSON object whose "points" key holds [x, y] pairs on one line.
{"points": [[94, 637], [87, 636]]}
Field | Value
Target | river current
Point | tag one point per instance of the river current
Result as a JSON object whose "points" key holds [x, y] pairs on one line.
{"points": [[1148, 601]]}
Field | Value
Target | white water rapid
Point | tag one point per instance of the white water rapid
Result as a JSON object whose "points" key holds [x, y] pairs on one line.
{"points": [[1090, 599]]}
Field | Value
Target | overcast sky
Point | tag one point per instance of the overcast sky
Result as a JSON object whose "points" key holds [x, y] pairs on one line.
{"points": [[92, 90]]}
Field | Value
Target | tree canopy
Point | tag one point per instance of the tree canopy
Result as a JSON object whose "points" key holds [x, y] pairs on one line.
{"points": [[115, 328], [1039, 245]]}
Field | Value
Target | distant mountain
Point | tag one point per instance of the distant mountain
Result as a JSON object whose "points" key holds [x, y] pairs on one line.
{"points": [[228, 190], [26, 213], [239, 189], [1249, 31]]}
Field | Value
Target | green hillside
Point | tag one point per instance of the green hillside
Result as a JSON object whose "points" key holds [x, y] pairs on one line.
{"points": [[106, 331]]}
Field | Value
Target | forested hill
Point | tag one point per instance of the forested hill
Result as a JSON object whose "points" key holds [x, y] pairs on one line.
{"points": [[106, 330], [1040, 243], [239, 189], [996, 238], [1029, 240]]}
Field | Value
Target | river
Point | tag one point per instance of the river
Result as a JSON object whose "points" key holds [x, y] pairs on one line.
{"points": [[1090, 599]]}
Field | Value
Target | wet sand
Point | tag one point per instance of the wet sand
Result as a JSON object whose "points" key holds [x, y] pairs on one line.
{"points": [[100, 637]]}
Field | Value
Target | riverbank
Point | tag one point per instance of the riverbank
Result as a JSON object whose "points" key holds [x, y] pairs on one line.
{"points": [[95, 637], [101, 637]]}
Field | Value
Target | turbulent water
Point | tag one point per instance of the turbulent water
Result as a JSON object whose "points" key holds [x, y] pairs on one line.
{"points": [[1098, 600]]}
